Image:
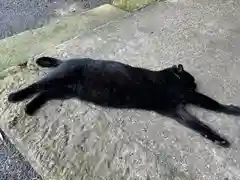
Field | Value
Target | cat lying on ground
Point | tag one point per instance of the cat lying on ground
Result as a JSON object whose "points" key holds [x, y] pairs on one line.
{"points": [[117, 85]]}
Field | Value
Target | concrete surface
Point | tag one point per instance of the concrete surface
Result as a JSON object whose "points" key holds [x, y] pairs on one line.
{"points": [[76, 140], [21, 15], [21, 47]]}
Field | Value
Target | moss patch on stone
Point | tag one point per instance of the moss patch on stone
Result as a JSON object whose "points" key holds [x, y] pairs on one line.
{"points": [[131, 5]]}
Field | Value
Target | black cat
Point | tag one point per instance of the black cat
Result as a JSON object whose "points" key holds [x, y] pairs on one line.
{"points": [[117, 85]]}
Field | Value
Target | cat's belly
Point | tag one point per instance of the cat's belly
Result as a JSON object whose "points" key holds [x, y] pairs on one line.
{"points": [[129, 96], [111, 97]]}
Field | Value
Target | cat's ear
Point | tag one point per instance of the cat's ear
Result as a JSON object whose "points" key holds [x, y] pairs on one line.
{"points": [[180, 68]]}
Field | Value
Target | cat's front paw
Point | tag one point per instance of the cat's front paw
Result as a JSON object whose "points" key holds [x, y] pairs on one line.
{"points": [[234, 110], [12, 97]]}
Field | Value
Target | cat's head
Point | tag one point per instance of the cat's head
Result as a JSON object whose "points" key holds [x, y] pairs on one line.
{"points": [[184, 76]]}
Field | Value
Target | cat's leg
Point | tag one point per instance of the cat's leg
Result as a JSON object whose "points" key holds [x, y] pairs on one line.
{"points": [[182, 116], [22, 94], [58, 78], [206, 102], [42, 98], [45, 84], [37, 102]]}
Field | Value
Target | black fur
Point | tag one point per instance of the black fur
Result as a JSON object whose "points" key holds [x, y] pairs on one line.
{"points": [[116, 85]]}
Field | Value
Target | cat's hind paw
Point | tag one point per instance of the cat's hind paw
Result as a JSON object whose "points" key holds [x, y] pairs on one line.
{"points": [[12, 97]]}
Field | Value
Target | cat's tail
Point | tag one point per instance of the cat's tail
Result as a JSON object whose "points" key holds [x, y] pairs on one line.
{"points": [[48, 62]]}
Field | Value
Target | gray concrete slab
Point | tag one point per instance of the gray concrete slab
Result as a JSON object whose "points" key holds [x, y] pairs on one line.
{"points": [[74, 140]]}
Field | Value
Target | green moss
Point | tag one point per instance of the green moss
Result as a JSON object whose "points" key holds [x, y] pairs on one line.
{"points": [[131, 5]]}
